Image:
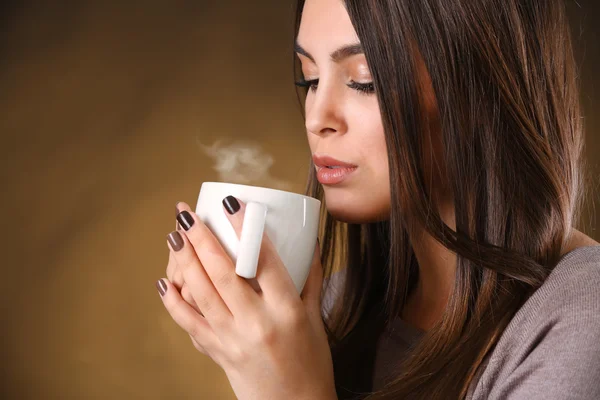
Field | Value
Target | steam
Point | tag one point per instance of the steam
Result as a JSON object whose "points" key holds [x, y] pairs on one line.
{"points": [[243, 162]]}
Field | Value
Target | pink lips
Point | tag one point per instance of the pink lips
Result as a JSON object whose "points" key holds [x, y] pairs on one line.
{"points": [[331, 171]]}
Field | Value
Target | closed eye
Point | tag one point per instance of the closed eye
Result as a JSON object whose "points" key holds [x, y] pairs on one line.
{"points": [[363, 88], [311, 84]]}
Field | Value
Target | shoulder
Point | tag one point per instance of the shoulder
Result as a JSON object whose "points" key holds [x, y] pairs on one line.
{"points": [[571, 292], [551, 347], [569, 298], [575, 281]]}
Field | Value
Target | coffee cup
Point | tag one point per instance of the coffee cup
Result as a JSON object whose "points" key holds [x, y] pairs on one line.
{"points": [[290, 220]]}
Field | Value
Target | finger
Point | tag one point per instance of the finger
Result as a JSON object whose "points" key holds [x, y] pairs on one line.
{"points": [[173, 272], [187, 296], [199, 347], [184, 315], [272, 276], [234, 291], [199, 284], [311, 293]]}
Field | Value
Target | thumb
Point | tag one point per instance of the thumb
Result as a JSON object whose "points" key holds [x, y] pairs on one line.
{"points": [[311, 293]]}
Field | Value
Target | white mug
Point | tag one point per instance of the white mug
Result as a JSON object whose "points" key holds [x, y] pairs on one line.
{"points": [[290, 220]]}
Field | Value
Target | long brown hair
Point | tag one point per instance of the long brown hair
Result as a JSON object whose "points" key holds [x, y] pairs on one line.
{"points": [[504, 78]]}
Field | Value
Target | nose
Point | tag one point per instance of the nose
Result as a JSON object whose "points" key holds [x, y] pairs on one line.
{"points": [[324, 112]]}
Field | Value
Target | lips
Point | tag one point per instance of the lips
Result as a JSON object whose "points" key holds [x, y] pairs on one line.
{"points": [[324, 161], [331, 171]]}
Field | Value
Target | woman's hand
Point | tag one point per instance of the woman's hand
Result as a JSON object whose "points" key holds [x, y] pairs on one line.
{"points": [[271, 344]]}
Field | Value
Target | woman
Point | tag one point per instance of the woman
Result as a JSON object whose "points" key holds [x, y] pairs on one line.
{"points": [[462, 275]]}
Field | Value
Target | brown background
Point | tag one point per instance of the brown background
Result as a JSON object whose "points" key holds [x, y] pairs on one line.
{"points": [[104, 108]]}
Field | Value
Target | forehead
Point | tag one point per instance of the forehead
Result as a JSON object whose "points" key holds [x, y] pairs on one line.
{"points": [[325, 25]]}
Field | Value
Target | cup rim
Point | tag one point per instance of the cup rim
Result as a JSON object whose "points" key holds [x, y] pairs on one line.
{"points": [[263, 188]]}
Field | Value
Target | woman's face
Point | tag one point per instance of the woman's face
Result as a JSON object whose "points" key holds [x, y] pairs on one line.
{"points": [[342, 114]]}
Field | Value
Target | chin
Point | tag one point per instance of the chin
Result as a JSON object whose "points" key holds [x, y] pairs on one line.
{"points": [[354, 210]]}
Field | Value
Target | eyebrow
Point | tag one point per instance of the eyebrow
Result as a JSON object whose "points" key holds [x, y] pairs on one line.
{"points": [[337, 56]]}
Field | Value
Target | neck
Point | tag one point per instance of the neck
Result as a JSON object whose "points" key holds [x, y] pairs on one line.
{"points": [[437, 267]]}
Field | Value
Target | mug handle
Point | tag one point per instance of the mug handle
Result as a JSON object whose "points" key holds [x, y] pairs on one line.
{"points": [[253, 227]]}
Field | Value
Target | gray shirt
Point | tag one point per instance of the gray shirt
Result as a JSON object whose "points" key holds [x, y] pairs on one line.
{"points": [[550, 349]]}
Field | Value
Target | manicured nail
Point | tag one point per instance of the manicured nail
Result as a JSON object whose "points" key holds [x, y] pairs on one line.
{"points": [[231, 204], [162, 287], [185, 220], [175, 240]]}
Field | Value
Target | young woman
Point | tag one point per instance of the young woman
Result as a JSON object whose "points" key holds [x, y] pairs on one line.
{"points": [[446, 139]]}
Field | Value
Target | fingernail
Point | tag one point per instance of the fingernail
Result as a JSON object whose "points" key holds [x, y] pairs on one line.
{"points": [[161, 286], [175, 240], [231, 204], [185, 220]]}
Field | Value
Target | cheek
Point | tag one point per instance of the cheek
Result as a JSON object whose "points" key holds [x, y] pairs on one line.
{"points": [[367, 197], [375, 184], [372, 145]]}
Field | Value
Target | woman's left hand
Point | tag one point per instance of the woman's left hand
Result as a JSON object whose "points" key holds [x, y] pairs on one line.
{"points": [[271, 344]]}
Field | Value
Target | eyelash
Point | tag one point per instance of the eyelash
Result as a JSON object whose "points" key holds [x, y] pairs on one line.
{"points": [[363, 88]]}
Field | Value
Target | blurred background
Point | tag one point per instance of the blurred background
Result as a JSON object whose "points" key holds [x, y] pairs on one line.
{"points": [[110, 113]]}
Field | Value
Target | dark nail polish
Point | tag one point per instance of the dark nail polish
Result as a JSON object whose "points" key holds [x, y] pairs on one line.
{"points": [[231, 204], [185, 220], [161, 286], [175, 240]]}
